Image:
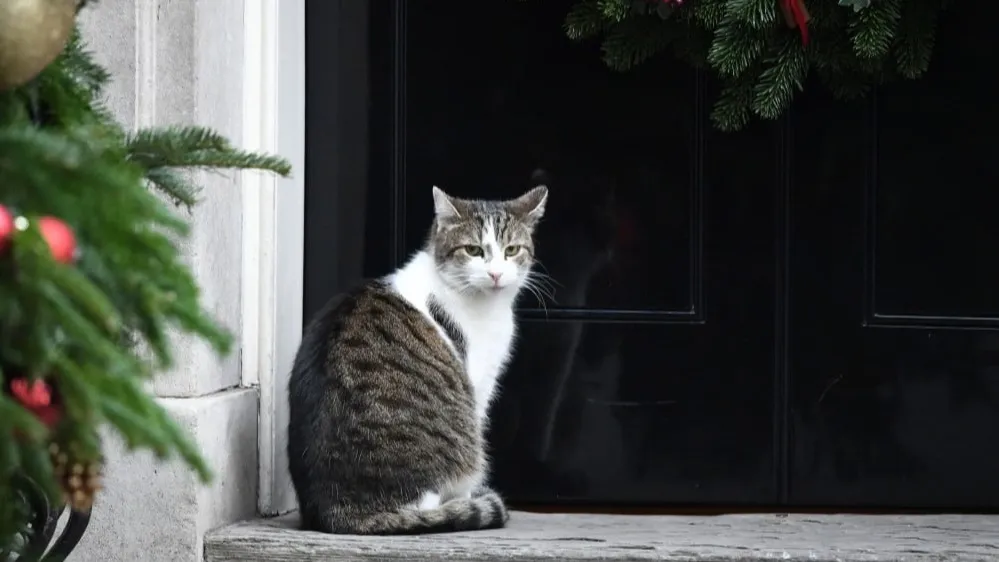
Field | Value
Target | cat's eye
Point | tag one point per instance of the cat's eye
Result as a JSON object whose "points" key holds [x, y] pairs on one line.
{"points": [[511, 251], [474, 251]]}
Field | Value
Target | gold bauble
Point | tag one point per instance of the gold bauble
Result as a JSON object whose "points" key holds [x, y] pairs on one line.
{"points": [[32, 34]]}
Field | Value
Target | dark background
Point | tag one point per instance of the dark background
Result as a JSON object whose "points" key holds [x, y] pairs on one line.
{"points": [[800, 314]]}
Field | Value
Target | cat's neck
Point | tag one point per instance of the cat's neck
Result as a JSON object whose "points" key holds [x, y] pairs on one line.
{"points": [[419, 279]]}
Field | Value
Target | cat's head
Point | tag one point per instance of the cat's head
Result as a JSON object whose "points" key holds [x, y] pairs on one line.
{"points": [[485, 247]]}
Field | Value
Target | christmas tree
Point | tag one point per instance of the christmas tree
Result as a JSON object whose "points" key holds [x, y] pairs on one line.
{"points": [[91, 280], [763, 50]]}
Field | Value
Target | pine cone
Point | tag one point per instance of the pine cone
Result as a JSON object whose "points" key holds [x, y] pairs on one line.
{"points": [[79, 480]]}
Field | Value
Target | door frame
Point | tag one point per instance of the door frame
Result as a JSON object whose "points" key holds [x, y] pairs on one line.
{"points": [[273, 229]]}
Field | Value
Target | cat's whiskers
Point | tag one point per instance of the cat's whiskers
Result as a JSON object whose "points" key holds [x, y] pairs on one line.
{"points": [[537, 297], [540, 274], [541, 286], [541, 271]]}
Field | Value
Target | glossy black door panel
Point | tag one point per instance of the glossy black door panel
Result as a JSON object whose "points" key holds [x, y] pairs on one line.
{"points": [[486, 106], [933, 204], [628, 413], [645, 369], [901, 419], [895, 361]]}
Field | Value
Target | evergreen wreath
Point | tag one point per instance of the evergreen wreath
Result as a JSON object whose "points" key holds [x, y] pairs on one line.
{"points": [[763, 50]]}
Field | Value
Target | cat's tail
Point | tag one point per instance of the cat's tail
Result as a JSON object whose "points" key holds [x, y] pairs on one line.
{"points": [[486, 511]]}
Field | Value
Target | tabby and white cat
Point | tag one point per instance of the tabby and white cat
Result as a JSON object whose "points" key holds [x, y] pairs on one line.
{"points": [[391, 386]]}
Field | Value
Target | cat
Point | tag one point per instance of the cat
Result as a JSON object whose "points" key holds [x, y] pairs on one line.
{"points": [[390, 388]]}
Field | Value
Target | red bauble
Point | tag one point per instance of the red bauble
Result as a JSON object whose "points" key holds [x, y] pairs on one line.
{"points": [[6, 227], [60, 237], [36, 397]]}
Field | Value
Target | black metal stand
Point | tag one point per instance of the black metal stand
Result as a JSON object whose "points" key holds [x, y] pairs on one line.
{"points": [[39, 541]]}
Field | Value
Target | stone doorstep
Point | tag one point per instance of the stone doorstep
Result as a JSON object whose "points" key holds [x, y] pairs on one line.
{"points": [[533, 537]]}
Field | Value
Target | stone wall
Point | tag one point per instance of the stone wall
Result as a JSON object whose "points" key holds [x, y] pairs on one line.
{"points": [[181, 62]]}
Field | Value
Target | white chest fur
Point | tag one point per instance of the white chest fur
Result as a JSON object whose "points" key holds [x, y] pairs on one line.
{"points": [[487, 322], [489, 336]]}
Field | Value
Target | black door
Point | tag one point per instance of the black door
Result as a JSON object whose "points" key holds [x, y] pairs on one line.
{"points": [[894, 286], [800, 313]]}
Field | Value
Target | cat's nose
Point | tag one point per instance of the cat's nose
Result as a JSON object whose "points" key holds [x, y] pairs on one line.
{"points": [[495, 275]]}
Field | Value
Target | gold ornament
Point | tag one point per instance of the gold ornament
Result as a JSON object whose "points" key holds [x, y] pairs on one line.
{"points": [[32, 34]]}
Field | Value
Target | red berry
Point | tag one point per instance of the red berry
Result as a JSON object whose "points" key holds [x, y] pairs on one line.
{"points": [[36, 397], [32, 394], [60, 237], [6, 227]]}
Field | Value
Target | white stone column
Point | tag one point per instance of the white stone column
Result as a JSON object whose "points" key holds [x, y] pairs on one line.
{"points": [[181, 62]]}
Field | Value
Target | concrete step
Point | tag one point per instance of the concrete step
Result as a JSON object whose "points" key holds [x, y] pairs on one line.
{"points": [[569, 537]]}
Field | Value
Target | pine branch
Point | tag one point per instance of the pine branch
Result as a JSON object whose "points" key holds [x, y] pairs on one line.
{"points": [[831, 51], [756, 14], [195, 147], [78, 63], [708, 14], [166, 144], [735, 48], [872, 29], [175, 186], [231, 159], [615, 10], [916, 37], [732, 109], [692, 46], [784, 75], [634, 41], [585, 20]]}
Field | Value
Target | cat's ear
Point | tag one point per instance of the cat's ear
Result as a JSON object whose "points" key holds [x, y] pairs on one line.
{"points": [[444, 208], [531, 205]]}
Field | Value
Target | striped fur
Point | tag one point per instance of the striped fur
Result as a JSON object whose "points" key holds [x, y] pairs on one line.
{"points": [[450, 327], [486, 511], [392, 380]]}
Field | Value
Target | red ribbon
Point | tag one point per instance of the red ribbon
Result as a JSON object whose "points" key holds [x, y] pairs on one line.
{"points": [[794, 7]]}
